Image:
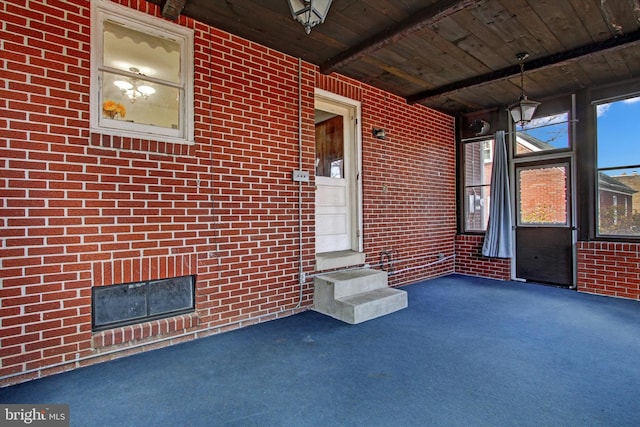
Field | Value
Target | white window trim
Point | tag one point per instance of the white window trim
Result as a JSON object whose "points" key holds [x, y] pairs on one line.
{"points": [[103, 9]]}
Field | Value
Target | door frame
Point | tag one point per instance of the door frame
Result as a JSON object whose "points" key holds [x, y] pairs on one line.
{"points": [[551, 158], [355, 185]]}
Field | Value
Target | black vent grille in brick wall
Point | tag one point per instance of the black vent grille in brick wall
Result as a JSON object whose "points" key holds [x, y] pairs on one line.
{"points": [[120, 305]]}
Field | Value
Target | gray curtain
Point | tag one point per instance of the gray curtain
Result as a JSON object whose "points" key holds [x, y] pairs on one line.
{"points": [[497, 240]]}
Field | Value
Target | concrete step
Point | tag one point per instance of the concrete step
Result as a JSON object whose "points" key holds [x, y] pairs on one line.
{"points": [[338, 259], [351, 282], [369, 305], [356, 296]]}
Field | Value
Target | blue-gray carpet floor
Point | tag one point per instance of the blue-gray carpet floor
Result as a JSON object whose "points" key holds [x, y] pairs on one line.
{"points": [[466, 352]]}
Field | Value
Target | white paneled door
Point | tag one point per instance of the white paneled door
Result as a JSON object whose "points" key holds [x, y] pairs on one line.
{"points": [[337, 201]]}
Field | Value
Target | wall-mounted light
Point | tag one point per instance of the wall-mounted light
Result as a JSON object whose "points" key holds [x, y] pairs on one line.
{"points": [[379, 133], [480, 127], [131, 88], [309, 12], [522, 112]]}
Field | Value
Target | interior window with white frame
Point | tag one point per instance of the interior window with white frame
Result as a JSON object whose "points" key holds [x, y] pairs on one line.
{"points": [[141, 75]]}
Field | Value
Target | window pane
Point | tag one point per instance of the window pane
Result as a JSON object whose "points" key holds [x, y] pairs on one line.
{"points": [[330, 148], [543, 134], [618, 207], [142, 78], [542, 195], [141, 53], [476, 208], [478, 162], [618, 198], [618, 138], [160, 108]]}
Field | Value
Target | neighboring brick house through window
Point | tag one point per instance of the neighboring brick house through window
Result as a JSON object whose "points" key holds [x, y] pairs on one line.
{"points": [[478, 158]]}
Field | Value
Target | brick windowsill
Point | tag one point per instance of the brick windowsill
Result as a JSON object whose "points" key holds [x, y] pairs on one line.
{"points": [[147, 331]]}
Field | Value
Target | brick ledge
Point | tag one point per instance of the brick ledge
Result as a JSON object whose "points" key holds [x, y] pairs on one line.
{"points": [[143, 332]]}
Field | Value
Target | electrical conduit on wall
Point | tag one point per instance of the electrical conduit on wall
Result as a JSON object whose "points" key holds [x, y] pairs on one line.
{"points": [[301, 274]]}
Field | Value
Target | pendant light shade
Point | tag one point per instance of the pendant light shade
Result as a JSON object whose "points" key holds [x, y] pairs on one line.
{"points": [[522, 111], [309, 12]]}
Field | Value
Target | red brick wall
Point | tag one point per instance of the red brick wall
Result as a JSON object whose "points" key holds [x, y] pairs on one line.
{"points": [[81, 210], [604, 268], [608, 268], [469, 259], [408, 183], [543, 195]]}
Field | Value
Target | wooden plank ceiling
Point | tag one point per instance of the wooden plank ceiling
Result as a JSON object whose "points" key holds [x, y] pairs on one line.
{"points": [[451, 55]]}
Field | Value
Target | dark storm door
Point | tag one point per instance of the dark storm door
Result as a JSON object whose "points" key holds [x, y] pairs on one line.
{"points": [[544, 229]]}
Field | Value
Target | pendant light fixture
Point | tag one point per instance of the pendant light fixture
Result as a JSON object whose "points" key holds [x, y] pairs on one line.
{"points": [[309, 12], [522, 112]]}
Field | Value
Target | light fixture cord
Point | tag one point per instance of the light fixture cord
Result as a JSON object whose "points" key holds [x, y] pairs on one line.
{"points": [[522, 79]]}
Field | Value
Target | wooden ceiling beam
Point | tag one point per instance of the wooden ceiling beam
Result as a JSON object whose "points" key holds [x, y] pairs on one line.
{"points": [[536, 64], [427, 16], [172, 9]]}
